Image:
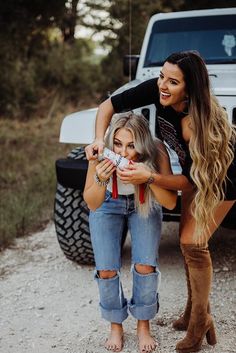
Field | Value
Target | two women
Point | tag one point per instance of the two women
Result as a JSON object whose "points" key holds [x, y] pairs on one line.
{"points": [[191, 121], [114, 204]]}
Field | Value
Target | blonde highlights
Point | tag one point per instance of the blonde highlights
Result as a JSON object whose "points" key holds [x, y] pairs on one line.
{"points": [[211, 149]]}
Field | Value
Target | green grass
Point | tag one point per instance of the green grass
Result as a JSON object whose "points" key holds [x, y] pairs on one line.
{"points": [[28, 151]]}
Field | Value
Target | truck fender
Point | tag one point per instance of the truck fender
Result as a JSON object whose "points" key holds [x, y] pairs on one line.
{"points": [[79, 127]]}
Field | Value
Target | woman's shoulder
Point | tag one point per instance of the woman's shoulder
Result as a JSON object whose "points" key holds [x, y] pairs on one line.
{"points": [[147, 87], [151, 85], [144, 93]]}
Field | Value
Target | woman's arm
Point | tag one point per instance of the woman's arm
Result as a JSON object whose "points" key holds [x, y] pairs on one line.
{"points": [[172, 182], [94, 193], [165, 179], [139, 173], [165, 185], [103, 118], [165, 197]]}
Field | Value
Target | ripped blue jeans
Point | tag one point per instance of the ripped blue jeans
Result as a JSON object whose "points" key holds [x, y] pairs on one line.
{"points": [[106, 228]]}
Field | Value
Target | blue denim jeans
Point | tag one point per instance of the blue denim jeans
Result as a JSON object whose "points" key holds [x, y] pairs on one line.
{"points": [[106, 229]]}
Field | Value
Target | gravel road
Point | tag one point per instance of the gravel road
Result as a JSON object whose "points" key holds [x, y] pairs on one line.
{"points": [[49, 304]]}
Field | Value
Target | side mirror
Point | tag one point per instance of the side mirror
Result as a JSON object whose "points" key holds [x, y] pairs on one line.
{"points": [[130, 63]]}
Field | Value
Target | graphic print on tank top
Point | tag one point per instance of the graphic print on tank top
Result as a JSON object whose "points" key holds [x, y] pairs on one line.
{"points": [[169, 134]]}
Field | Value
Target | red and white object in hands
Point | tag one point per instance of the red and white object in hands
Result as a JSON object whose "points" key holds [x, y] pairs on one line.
{"points": [[120, 162]]}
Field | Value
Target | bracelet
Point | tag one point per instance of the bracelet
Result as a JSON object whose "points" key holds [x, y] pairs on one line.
{"points": [[150, 179], [100, 182]]}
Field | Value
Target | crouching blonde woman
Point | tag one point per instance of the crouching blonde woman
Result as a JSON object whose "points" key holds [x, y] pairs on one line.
{"points": [[112, 204]]}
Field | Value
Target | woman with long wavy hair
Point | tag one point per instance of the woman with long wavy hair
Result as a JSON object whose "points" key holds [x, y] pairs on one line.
{"points": [[191, 121]]}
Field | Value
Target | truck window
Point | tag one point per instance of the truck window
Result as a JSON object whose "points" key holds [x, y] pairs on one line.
{"points": [[214, 37]]}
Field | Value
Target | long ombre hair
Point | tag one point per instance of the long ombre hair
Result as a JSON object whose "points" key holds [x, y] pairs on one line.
{"points": [[212, 140], [144, 145]]}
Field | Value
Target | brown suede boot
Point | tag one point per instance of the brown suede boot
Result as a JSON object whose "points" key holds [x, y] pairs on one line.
{"points": [[201, 324], [181, 324]]}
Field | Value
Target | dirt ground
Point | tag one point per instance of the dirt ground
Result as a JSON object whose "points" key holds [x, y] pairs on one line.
{"points": [[49, 304]]}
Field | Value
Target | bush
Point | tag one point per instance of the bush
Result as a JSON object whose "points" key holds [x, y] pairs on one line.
{"points": [[57, 69], [27, 176], [73, 70]]}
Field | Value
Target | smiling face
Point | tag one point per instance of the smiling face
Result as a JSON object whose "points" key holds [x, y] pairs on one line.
{"points": [[124, 144], [172, 87]]}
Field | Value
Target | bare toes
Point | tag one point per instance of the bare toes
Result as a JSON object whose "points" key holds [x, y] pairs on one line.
{"points": [[112, 347]]}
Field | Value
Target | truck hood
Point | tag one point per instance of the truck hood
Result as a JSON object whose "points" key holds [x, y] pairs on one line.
{"points": [[223, 79]]}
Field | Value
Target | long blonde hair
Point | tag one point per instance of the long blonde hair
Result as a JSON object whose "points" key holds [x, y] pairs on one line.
{"points": [[145, 146], [211, 144]]}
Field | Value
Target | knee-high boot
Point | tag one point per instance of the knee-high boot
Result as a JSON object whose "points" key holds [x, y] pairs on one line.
{"points": [[181, 324], [201, 324]]}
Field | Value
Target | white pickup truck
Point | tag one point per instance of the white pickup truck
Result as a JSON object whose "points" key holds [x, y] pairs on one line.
{"points": [[210, 32]]}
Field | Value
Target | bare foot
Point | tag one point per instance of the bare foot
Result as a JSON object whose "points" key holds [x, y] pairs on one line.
{"points": [[114, 342], [147, 343]]}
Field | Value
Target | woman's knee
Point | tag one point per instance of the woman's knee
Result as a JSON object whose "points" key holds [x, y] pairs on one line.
{"points": [[106, 274], [144, 269]]}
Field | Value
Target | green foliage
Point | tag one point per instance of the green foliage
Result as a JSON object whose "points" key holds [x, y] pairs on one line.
{"points": [[71, 69], [41, 59], [18, 86], [24, 22], [27, 176], [65, 70]]}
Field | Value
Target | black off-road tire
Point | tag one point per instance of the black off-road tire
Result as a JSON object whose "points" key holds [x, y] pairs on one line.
{"points": [[71, 220]]}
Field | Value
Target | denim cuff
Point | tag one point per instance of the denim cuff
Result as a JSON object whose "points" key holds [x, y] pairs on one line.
{"points": [[144, 312], [114, 315]]}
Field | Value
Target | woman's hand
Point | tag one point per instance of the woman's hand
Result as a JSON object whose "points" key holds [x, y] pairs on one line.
{"points": [[105, 169], [134, 173], [94, 149]]}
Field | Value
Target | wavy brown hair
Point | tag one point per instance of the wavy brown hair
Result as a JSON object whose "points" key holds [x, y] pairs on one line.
{"points": [[212, 140]]}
